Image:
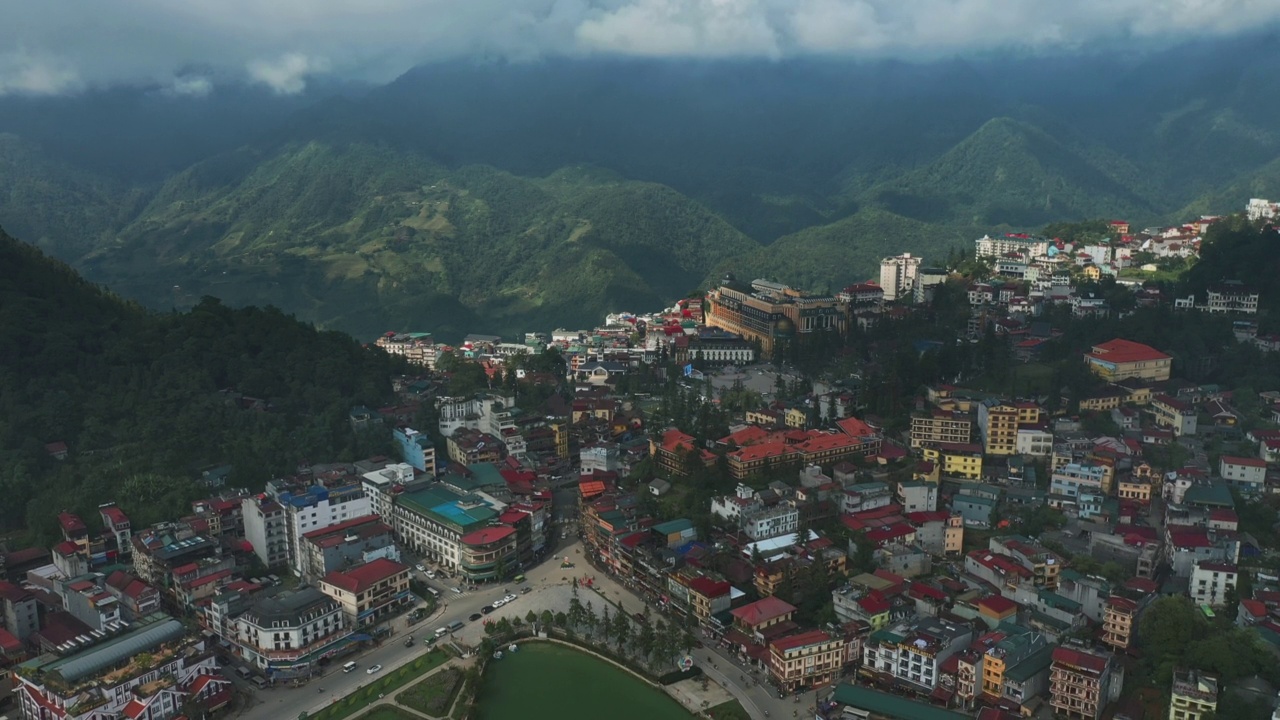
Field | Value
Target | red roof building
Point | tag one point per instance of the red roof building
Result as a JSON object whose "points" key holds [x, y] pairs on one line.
{"points": [[763, 612], [362, 577]]}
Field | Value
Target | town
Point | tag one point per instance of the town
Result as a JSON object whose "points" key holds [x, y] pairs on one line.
{"points": [[1032, 531]]}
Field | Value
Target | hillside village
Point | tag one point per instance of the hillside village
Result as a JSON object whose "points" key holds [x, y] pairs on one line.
{"points": [[994, 543]]}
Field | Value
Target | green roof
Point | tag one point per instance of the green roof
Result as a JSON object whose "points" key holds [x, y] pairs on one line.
{"points": [[672, 527], [891, 706], [975, 499], [447, 507], [486, 475], [1212, 494], [1058, 602], [1035, 663], [885, 635]]}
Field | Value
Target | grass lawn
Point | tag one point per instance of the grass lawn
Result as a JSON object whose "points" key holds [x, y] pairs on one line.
{"points": [[386, 713], [434, 694], [384, 684], [731, 710], [1029, 378]]}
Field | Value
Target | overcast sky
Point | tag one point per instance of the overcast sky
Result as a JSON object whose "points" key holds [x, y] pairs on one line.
{"points": [[191, 46]]}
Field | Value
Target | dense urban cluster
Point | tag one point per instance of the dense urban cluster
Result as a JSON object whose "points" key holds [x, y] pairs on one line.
{"points": [[976, 551]]}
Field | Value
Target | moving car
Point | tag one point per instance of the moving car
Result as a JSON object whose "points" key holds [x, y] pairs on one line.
{"points": [[373, 669], [474, 617], [526, 590], [420, 567]]}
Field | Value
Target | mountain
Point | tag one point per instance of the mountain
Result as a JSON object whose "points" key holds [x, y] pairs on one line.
{"points": [[142, 400], [1014, 173], [365, 238], [506, 196]]}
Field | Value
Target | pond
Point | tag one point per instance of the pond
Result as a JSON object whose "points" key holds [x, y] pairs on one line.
{"points": [[543, 681]]}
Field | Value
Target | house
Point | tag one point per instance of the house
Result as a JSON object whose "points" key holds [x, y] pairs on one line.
{"points": [[659, 487], [956, 460], [1178, 416], [1118, 622], [807, 659], [1193, 695], [1247, 474], [369, 593], [1210, 582], [1120, 359], [1082, 682]]}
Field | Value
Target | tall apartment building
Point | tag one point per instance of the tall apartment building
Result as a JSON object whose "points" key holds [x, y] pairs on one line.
{"points": [[1118, 616], [898, 276], [999, 423], [1210, 582], [382, 485], [806, 659], [266, 530], [318, 507], [941, 426], [1082, 683], [771, 314], [1193, 694], [417, 449]]}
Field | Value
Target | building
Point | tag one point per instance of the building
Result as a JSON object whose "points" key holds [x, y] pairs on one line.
{"points": [[941, 426], [956, 460], [1082, 683], [382, 485], [1018, 243], [1247, 474], [338, 547], [149, 673], [433, 520], [369, 593], [285, 635], [998, 425], [489, 553], [708, 597], [89, 602], [806, 659], [1118, 616], [1175, 414], [416, 449], [21, 614], [318, 507], [1232, 298], [416, 347], [914, 653], [898, 276], [468, 446], [1193, 694], [771, 314], [671, 452], [1210, 582], [769, 522], [1122, 359]]}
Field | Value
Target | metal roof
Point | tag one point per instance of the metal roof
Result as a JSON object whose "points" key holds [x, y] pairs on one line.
{"points": [[109, 654]]}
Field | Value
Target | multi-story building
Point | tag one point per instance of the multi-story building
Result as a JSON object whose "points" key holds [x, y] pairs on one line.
{"points": [[769, 522], [382, 485], [318, 507], [1121, 359], [1072, 480], [285, 635], [1246, 473], [149, 673], [369, 593], [862, 297], [1177, 415], [1193, 695], [1210, 582], [489, 553], [601, 456], [1232, 298], [115, 522], [806, 659], [338, 547], [432, 522], [898, 276], [917, 496], [21, 613], [771, 314], [468, 447], [1118, 616], [1082, 682], [1006, 654], [1044, 564], [416, 449], [941, 426], [1031, 247], [671, 452], [956, 460], [998, 425], [266, 530], [913, 653], [1260, 209], [89, 602], [416, 347]]}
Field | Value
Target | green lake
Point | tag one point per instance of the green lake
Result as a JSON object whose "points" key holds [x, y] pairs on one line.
{"points": [[543, 681]]}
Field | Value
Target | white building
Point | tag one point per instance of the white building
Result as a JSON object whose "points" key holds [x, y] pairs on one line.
{"points": [[286, 634], [316, 508], [1259, 209], [1245, 473], [601, 456], [898, 276], [987, 246], [1034, 441], [1210, 582], [771, 522], [266, 530], [913, 653], [378, 487]]}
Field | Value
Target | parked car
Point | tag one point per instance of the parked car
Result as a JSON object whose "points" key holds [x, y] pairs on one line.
{"points": [[373, 669], [509, 598], [487, 609], [526, 590], [474, 617], [421, 567]]}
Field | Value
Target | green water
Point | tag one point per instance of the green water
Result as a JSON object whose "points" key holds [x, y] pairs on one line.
{"points": [[551, 682]]}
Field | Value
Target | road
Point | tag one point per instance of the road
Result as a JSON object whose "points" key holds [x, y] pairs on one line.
{"points": [[551, 590]]}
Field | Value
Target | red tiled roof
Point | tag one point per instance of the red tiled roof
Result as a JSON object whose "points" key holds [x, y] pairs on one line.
{"points": [[11, 645], [134, 709], [997, 604], [591, 488], [66, 548], [855, 427], [71, 523], [1078, 659], [362, 577], [485, 536], [115, 515], [791, 642], [1216, 566], [873, 603], [1245, 461], [707, 587], [343, 527], [1254, 608], [1126, 351], [1121, 603], [763, 610]]}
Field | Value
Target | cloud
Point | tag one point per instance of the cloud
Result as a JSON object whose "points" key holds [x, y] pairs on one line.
{"points": [[66, 45], [23, 73], [189, 86], [287, 74]]}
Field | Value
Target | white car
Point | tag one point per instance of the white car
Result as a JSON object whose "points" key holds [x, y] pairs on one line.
{"points": [[499, 603], [431, 574], [509, 598], [373, 669], [421, 567]]}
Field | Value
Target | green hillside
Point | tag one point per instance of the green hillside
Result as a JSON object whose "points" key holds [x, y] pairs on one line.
{"points": [[365, 239], [139, 397], [847, 251], [1014, 173]]}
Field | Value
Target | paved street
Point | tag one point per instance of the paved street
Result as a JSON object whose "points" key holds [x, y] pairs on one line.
{"points": [[551, 590]]}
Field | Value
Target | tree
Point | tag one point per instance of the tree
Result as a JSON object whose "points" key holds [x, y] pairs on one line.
{"points": [[531, 617], [622, 629]]}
